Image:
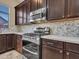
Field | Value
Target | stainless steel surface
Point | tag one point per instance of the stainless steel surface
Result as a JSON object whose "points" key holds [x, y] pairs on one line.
{"points": [[32, 42], [38, 15]]}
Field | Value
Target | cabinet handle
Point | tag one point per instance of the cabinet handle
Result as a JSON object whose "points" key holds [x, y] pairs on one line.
{"points": [[49, 43], [63, 16], [68, 15], [67, 53], [61, 51]]}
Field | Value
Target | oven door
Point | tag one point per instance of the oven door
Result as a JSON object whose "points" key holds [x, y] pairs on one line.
{"points": [[30, 50]]}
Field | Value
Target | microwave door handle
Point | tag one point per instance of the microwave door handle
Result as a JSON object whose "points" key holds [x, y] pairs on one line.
{"points": [[42, 15]]}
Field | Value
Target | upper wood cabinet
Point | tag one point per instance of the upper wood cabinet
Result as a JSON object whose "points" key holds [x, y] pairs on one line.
{"points": [[41, 4], [19, 15], [26, 12], [37, 4], [33, 5], [28, 8], [55, 9], [73, 8], [22, 12]]}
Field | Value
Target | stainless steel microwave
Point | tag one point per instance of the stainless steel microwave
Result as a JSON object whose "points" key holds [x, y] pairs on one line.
{"points": [[38, 15]]}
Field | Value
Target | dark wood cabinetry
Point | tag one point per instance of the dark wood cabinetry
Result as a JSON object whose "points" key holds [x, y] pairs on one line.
{"points": [[71, 55], [27, 12], [53, 43], [34, 5], [42, 4], [19, 43], [51, 53], [19, 15], [22, 12], [37, 4], [73, 8], [71, 51], [3, 43], [72, 47], [9, 42], [55, 9], [51, 50]]}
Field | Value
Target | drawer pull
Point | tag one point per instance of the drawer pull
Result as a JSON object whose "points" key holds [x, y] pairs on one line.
{"points": [[61, 51], [67, 53], [49, 43]]}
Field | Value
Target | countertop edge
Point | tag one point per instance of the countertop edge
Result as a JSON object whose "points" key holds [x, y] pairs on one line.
{"points": [[74, 40]]}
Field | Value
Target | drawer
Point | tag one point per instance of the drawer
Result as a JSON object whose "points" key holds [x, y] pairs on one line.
{"points": [[72, 47], [19, 37], [53, 43]]}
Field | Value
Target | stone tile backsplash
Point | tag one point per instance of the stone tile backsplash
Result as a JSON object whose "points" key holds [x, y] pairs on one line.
{"points": [[65, 28], [68, 29]]}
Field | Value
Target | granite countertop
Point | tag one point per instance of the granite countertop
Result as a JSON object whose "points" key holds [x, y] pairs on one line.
{"points": [[19, 33], [62, 38]]}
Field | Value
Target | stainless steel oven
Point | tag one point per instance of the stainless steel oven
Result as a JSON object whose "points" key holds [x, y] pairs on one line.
{"points": [[30, 50], [31, 42]]}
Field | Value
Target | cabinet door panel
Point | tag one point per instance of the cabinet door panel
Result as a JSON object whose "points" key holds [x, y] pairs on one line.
{"points": [[24, 14], [41, 4], [19, 43], [51, 53], [70, 55], [53, 43], [55, 9], [10, 42], [72, 47], [34, 5], [3, 43], [28, 11], [73, 8]]}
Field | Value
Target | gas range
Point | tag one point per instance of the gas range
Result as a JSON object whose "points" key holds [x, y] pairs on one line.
{"points": [[31, 42], [35, 36], [32, 37]]}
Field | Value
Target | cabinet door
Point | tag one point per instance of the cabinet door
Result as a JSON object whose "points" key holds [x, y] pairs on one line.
{"points": [[34, 5], [28, 11], [19, 43], [2, 43], [10, 42], [70, 55], [73, 8], [55, 9], [19, 15], [24, 14], [41, 4], [51, 53]]}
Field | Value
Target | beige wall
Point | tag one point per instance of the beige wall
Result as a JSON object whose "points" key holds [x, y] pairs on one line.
{"points": [[11, 4]]}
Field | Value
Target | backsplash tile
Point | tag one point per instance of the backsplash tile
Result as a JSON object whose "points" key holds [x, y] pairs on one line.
{"points": [[66, 28]]}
